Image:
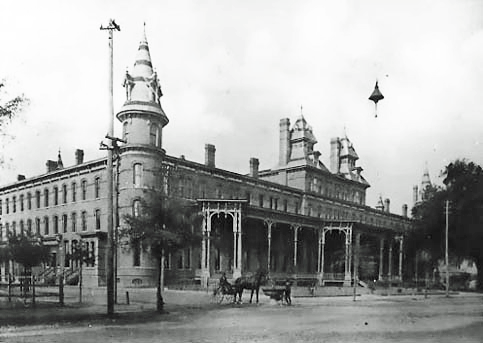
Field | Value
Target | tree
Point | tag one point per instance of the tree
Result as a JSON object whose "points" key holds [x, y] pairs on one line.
{"points": [[9, 108], [27, 250], [463, 187], [165, 225]]}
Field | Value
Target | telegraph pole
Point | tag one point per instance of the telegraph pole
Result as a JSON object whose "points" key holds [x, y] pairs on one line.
{"points": [[111, 27], [446, 251]]}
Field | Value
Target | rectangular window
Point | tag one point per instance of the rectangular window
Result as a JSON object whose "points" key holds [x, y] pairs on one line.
{"points": [[275, 204], [37, 226], [21, 202], [271, 203], [37, 198], [136, 253], [296, 207], [187, 258], [14, 204], [74, 222], [98, 219], [167, 261], [7, 206], [74, 192], [260, 200], [248, 197], [29, 201], [180, 260], [93, 254], [1, 207], [84, 189], [84, 220], [29, 226]]}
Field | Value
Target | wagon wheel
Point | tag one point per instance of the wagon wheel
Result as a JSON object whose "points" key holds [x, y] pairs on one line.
{"points": [[218, 295]]}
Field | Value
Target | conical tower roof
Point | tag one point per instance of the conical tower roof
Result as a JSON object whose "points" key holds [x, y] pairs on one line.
{"points": [[143, 89]]}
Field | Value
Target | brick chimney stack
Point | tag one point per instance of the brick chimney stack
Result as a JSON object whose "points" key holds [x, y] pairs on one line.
{"points": [[254, 164], [79, 156], [210, 155]]}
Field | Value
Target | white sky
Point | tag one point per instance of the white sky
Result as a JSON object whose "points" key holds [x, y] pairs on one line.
{"points": [[230, 70]]}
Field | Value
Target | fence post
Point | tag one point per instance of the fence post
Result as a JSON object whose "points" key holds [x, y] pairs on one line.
{"points": [[33, 290], [9, 287]]}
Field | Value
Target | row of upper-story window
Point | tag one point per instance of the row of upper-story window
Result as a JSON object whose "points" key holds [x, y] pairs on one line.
{"points": [[337, 191], [154, 133], [50, 197], [53, 225]]}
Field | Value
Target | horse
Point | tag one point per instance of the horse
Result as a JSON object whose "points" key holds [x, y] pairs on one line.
{"points": [[249, 282]]}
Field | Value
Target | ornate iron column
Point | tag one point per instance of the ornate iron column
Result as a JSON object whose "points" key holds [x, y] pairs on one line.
{"points": [[381, 259]]}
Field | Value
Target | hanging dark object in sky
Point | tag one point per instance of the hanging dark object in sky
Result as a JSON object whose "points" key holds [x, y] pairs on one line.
{"points": [[376, 96]]}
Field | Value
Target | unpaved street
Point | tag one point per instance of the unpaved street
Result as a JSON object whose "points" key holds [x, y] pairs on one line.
{"points": [[369, 319]]}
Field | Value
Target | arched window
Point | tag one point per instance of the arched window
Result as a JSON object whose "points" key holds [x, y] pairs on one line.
{"points": [[64, 194], [56, 195], [56, 225], [64, 223], [97, 187], [84, 189], [98, 219], [137, 175], [136, 208], [46, 225], [84, 220], [74, 222], [153, 134], [37, 199], [37, 226], [29, 226], [21, 202], [46, 197], [29, 201], [74, 192], [22, 228]]}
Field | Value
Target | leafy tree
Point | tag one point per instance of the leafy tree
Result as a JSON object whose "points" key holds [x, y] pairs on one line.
{"points": [[26, 250], [9, 107], [463, 187], [165, 225]]}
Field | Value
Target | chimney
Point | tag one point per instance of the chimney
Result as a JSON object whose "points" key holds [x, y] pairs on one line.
{"points": [[210, 155], [335, 155], [284, 148], [20, 177], [405, 210], [79, 156], [415, 194], [51, 165], [254, 163], [386, 205]]}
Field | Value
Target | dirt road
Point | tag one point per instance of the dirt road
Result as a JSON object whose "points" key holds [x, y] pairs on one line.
{"points": [[369, 319]]}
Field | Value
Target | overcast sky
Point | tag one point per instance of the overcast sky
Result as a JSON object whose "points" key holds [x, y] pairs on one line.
{"points": [[230, 70]]}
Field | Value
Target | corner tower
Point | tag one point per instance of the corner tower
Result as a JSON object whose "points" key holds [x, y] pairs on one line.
{"points": [[141, 157]]}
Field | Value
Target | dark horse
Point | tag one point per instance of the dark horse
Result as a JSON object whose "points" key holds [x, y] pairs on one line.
{"points": [[249, 282]]}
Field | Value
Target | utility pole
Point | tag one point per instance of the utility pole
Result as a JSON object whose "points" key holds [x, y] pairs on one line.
{"points": [[111, 27], [446, 251]]}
